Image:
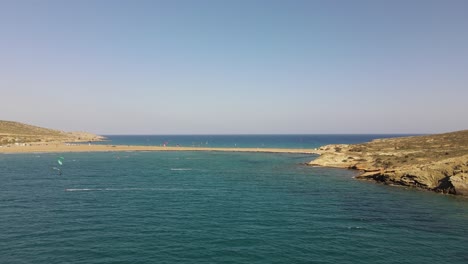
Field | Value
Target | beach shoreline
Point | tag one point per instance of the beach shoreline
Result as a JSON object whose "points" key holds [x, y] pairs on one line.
{"points": [[61, 147]]}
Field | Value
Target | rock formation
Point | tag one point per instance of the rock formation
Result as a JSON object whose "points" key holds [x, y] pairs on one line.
{"points": [[434, 162]]}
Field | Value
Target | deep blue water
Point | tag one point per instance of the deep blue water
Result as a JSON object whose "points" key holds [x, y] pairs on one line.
{"points": [[242, 141], [208, 207]]}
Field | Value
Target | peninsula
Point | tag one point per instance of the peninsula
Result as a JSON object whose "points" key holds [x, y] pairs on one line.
{"points": [[17, 137], [433, 162]]}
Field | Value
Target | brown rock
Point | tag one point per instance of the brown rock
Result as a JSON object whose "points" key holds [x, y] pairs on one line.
{"points": [[435, 162]]}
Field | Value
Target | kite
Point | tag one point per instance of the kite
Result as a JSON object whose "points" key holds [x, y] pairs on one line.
{"points": [[60, 162]]}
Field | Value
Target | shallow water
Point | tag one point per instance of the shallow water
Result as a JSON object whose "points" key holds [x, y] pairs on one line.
{"points": [[195, 207]]}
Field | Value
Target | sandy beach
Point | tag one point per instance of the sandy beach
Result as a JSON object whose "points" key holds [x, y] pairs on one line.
{"points": [[61, 147]]}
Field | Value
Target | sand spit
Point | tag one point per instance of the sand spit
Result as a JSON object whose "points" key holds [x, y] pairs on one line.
{"points": [[16, 137], [64, 147]]}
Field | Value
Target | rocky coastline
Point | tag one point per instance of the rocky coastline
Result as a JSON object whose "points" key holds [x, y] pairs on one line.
{"points": [[432, 162]]}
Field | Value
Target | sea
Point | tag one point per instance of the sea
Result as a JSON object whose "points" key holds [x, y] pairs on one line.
{"points": [[218, 207], [241, 141]]}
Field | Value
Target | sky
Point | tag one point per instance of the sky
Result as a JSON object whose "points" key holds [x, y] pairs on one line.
{"points": [[235, 67]]}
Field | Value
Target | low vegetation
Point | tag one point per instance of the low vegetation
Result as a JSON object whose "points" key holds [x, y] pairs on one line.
{"points": [[18, 133]]}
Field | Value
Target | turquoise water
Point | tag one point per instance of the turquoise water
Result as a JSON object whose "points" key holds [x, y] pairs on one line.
{"points": [[195, 207]]}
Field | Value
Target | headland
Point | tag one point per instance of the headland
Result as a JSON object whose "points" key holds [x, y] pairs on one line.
{"points": [[432, 162], [19, 134]]}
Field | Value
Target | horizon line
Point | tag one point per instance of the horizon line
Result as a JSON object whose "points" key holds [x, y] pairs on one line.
{"points": [[268, 134]]}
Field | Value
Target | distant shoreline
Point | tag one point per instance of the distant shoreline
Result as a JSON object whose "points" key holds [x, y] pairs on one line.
{"points": [[61, 147]]}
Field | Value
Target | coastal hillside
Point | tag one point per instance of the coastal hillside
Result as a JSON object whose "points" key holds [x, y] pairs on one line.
{"points": [[434, 162], [18, 133]]}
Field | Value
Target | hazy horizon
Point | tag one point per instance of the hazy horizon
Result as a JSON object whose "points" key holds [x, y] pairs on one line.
{"points": [[259, 134], [238, 67]]}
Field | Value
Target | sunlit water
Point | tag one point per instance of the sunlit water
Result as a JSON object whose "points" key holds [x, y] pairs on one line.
{"points": [[195, 207]]}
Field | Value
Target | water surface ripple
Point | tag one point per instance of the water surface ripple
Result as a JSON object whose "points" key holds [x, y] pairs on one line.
{"points": [[194, 207]]}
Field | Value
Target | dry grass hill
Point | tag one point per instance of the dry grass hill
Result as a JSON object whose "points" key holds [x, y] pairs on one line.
{"points": [[18, 133]]}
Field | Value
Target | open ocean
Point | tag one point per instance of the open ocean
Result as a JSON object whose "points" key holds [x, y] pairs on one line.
{"points": [[218, 207], [241, 141]]}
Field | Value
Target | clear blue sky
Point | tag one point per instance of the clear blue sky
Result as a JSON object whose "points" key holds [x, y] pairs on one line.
{"points": [[229, 67]]}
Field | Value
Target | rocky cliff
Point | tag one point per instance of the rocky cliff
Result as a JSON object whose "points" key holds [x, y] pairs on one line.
{"points": [[433, 162]]}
